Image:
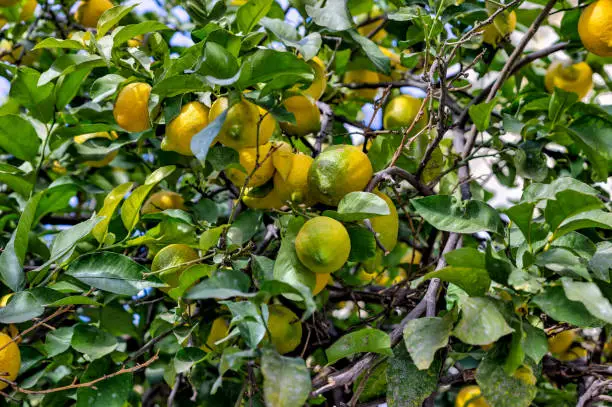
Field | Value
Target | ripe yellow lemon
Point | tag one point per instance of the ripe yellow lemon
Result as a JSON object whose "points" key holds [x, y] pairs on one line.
{"points": [[135, 42], [249, 159], [595, 29], [162, 200], [28, 58], [172, 259], [470, 396], [218, 331], [319, 83], [525, 374], [294, 187], [577, 78], [562, 341], [109, 157], [362, 76], [270, 200], [576, 352], [89, 11], [368, 28], [282, 159], [192, 118], [307, 116], [285, 328], [387, 228], [502, 26], [323, 245], [401, 112], [240, 127], [321, 282], [10, 359], [338, 170], [131, 109], [27, 10]]}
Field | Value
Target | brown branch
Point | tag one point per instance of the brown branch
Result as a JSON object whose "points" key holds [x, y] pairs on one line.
{"points": [[400, 173], [327, 123], [42, 322], [368, 225]]}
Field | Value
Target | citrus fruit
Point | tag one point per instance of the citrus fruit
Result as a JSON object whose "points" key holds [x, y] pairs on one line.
{"points": [[294, 187], [525, 374], [307, 116], [218, 331], [27, 10], [5, 299], [470, 396], [368, 28], [282, 159], [362, 76], [595, 29], [562, 341], [319, 83], [89, 11], [135, 42], [14, 53], [10, 359], [248, 159], [401, 112], [576, 352], [502, 26], [240, 127], [321, 282], [112, 135], [192, 118], [285, 328], [270, 200], [131, 109], [338, 170], [412, 256], [162, 200], [387, 228], [323, 245], [172, 259], [577, 78]]}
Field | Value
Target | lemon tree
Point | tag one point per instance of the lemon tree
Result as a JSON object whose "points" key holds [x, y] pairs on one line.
{"points": [[290, 203]]}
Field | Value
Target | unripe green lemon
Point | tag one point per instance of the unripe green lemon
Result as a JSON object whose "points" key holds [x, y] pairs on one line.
{"points": [[401, 112], [323, 245], [172, 259], [285, 328]]}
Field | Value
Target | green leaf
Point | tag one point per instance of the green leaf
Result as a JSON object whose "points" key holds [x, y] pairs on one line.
{"points": [[51, 43], [58, 341], [595, 132], [13, 254], [189, 277], [22, 307], [569, 203], [201, 141], [481, 114], [266, 65], [105, 86], [244, 227], [500, 389], [15, 179], [223, 284], [68, 86], [536, 192], [563, 262], [559, 103], [424, 336], [65, 241], [286, 380], [92, 341], [111, 17], [111, 202], [111, 392], [363, 340], [530, 162], [331, 14], [555, 304], [123, 34], [75, 300], [68, 63], [446, 213], [590, 296], [308, 47], [372, 51], [363, 244], [467, 269], [249, 14], [185, 358], [361, 205], [481, 322], [210, 237], [112, 272], [535, 343], [25, 147], [250, 323], [590, 219], [38, 99], [601, 262]]}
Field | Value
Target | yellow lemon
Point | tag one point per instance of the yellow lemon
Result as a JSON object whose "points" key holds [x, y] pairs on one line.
{"points": [[192, 118], [218, 331], [562, 341], [109, 157], [282, 159], [412, 256], [577, 78], [401, 111], [5, 299], [368, 28], [28, 58], [89, 11], [249, 159], [10, 359], [240, 127], [502, 26], [525, 374], [470, 396], [238, 2], [572, 354], [27, 10], [270, 200], [319, 83], [172, 259], [323, 245], [137, 41], [595, 29], [162, 200], [363, 76], [285, 328], [387, 228], [294, 187], [321, 282], [338, 170], [131, 109], [307, 116]]}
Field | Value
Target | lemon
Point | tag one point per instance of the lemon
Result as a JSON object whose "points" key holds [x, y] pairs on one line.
{"points": [[319, 83], [14, 53], [248, 159], [368, 28], [109, 157], [562, 341], [89, 11], [294, 187], [269, 201], [172, 259], [192, 118], [10, 359], [574, 353], [363, 76], [307, 116], [577, 78], [131, 109], [27, 12], [137, 41], [282, 159], [525, 374], [401, 111], [323, 245], [412, 256], [470, 396], [240, 127], [387, 228], [595, 29], [285, 328], [5, 299], [218, 331], [321, 282], [502, 26], [162, 200], [338, 170]]}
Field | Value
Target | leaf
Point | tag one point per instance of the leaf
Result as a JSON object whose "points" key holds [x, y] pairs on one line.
{"points": [[308, 47], [567, 204], [555, 304], [123, 34], [65, 241], [530, 162], [467, 269], [38, 99], [331, 14], [500, 389], [481, 323], [105, 86], [424, 336], [536, 192], [363, 244], [363, 340], [266, 65], [185, 358], [595, 132], [111, 202], [68, 86], [563, 262], [481, 114], [58, 341], [535, 343], [372, 51], [244, 227], [286, 380], [361, 205], [51, 43], [590, 219], [223, 284], [590, 296], [111, 392], [559, 102], [111, 17], [15, 179], [210, 237], [201, 141], [249, 14], [112, 272], [22, 307], [92, 341], [25, 147], [601, 262], [13, 254], [250, 323], [75, 300], [446, 213], [68, 63]]}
